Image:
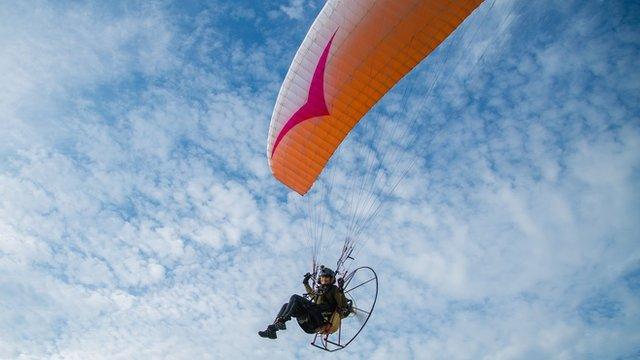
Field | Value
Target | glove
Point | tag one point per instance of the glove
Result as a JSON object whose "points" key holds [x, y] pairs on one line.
{"points": [[307, 276], [341, 283]]}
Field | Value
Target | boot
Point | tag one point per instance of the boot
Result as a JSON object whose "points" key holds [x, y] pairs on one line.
{"points": [[270, 333]]}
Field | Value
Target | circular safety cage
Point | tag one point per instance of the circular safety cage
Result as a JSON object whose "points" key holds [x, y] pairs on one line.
{"points": [[361, 291]]}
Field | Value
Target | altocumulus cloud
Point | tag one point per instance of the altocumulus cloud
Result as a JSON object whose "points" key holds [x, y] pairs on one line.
{"points": [[138, 217]]}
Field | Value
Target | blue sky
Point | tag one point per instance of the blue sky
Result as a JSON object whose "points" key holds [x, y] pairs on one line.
{"points": [[138, 216]]}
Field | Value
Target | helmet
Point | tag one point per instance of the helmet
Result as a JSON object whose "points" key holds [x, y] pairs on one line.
{"points": [[325, 271]]}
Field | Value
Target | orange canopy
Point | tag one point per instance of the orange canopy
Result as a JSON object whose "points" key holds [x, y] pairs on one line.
{"points": [[355, 51]]}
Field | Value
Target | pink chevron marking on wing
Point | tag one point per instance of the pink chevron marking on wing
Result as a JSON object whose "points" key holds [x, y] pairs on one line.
{"points": [[316, 104]]}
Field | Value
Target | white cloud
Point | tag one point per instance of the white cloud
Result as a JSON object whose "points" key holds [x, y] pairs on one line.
{"points": [[294, 10], [138, 217]]}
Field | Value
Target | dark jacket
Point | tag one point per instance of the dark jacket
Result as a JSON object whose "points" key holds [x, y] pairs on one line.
{"points": [[329, 298]]}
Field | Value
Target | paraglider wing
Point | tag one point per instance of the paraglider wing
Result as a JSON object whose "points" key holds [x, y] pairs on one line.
{"points": [[353, 54]]}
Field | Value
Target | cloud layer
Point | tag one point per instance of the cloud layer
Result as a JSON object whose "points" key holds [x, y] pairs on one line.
{"points": [[138, 216]]}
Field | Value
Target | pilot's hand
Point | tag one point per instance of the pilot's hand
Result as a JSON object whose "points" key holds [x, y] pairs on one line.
{"points": [[307, 276], [341, 283]]}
